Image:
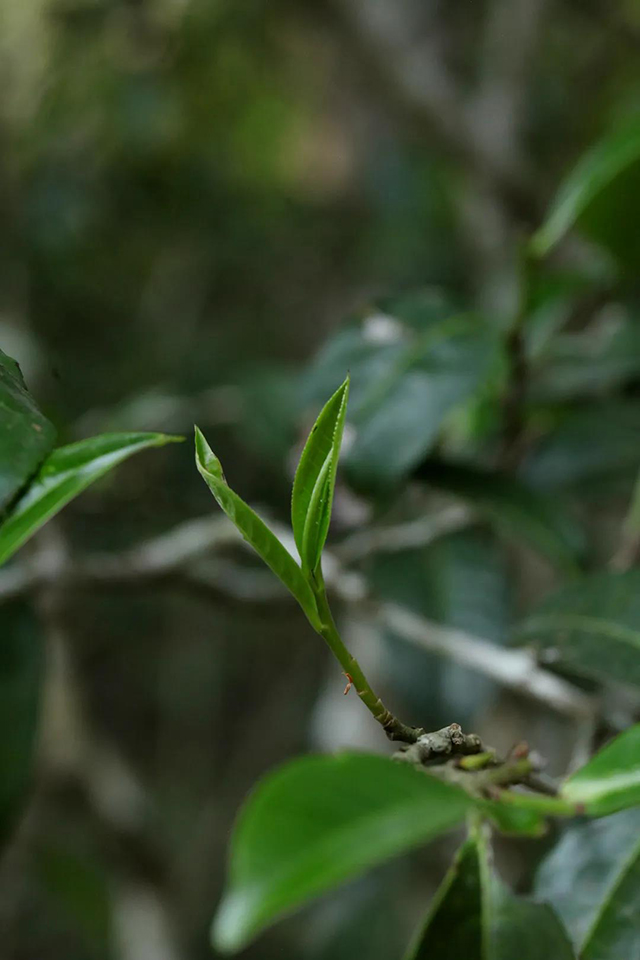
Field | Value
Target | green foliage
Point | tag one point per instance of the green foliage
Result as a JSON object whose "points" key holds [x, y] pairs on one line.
{"points": [[474, 916], [26, 436], [254, 530], [411, 366], [591, 877], [64, 474], [588, 194], [611, 780], [315, 479], [319, 821], [592, 626], [46, 480]]}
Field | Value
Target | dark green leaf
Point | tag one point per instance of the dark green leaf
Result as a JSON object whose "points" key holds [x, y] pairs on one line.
{"points": [[65, 474], [254, 530], [611, 780], [26, 436], [592, 878], [587, 446], [588, 363], [315, 480], [404, 412], [589, 180], [410, 366], [475, 917], [453, 928], [319, 821], [524, 929], [515, 508], [592, 626]]}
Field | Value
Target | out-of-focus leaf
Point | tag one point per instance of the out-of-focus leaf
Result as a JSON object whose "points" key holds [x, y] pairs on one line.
{"points": [[515, 508], [587, 445], [588, 363], [365, 919], [26, 436], [319, 821], [592, 878], [64, 474], [254, 530], [462, 580], [592, 626], [610, 781], [21, 671], [370, 346], [404, 412], [409, 370], [475, 916], [453, 927], [514, 820], [315, 479], [589, 183], [525, 929]]}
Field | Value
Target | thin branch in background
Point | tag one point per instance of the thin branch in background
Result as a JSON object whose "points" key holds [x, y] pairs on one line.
{"points": [[404, 536], [516, 670], [193, 564]]}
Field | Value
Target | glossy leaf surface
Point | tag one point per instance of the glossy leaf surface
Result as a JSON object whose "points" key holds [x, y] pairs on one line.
{"points": [[592, 626], [254, 530], [592, 876], [315, 479], [65, 474], [475, 916], [610, 781], [319, 821]]}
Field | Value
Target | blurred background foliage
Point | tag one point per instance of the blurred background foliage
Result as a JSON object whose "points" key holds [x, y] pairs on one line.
{"points": [[210, 211]]}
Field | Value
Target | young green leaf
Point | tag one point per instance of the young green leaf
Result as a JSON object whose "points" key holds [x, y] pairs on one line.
{"points": [[593, 174], [592, 877], [64, 474], [254, 530], [315, 479], [592, 626], [26, 436], [611, 780], [474, 916], [320, 821]]}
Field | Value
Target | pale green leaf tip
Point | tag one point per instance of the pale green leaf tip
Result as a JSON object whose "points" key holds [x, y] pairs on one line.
{"points": [[206, 459], [229, 932]]}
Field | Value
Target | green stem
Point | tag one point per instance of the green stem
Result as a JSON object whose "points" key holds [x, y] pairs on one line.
{"points": [[553, 806], [394, 728]]}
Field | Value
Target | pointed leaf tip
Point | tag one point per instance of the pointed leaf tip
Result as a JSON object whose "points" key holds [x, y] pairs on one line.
{"points": [[315, 478]]}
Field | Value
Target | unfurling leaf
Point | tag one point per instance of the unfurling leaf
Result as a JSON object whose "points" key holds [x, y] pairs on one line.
{"points": [[254, 530], [315, 479]]}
